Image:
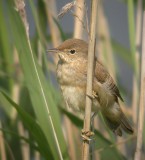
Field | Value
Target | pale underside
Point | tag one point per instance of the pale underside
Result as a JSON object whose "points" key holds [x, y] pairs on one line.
{"points": [[74, 91]]}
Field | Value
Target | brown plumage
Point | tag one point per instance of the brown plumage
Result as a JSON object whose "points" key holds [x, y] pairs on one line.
{"points": [[72, 77]]}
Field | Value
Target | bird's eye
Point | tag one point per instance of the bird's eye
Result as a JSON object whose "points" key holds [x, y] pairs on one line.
{"points": [[72, 51]]}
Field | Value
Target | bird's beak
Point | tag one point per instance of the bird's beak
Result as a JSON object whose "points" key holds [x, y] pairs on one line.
{"points": [[60, 54], [53, 50]]}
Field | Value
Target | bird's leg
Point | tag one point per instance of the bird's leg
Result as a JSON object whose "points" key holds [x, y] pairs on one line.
{"points": [[93, 116], [92, 121]]}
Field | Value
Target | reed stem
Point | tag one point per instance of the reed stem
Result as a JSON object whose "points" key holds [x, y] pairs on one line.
{"points": [[142, 99], [90, 71]]}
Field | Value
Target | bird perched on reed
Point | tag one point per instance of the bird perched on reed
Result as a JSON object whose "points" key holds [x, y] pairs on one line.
{"points": [[72, 78]]}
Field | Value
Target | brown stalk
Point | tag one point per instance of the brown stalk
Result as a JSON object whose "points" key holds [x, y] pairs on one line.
{"points": [[105, 40], [142, 99], [9, 151], [2, 145], [24, 146], [82, 22], [16, 86], [37, 155], [91, 54], [70, 134], [78, 25], [51, 14], [79, 28], [137, 55], [70, 138]]}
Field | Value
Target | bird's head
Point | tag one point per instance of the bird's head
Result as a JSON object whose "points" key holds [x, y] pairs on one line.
{"points": [[71, 50]]}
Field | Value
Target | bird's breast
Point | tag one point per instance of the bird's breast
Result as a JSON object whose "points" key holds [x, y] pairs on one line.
{"points": [[69, 74], [74, 97], [64, 74]]}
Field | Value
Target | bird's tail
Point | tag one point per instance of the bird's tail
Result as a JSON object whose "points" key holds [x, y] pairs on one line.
{"points": [[118, 124], [125, 125]]}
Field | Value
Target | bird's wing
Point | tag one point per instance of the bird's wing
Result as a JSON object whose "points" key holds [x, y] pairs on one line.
{"points": [[103, 77]]}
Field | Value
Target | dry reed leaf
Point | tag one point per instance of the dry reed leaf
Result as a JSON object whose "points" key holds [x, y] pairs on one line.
{"points": [[66, 8]]}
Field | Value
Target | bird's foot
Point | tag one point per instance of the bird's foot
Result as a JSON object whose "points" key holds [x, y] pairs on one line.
{"points": [[87, 135], [93, 96]]}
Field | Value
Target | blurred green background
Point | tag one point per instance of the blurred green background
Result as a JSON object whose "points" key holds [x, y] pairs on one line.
{"points": [[34, 122]]}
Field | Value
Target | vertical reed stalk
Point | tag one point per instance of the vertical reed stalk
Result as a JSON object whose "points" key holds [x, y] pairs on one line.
{"points": [[70, 134], [37, 155], [2, 146], [70, 138], [78, 33], [24, 146], [131, 25], [137, 55], [106, 42], [51, 14], [142, 99], [78, 26], [16, 86], [91, 53], [25, 149]]}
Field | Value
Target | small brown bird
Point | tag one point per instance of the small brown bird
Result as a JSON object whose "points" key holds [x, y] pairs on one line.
{"points": [[72, 77]]}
